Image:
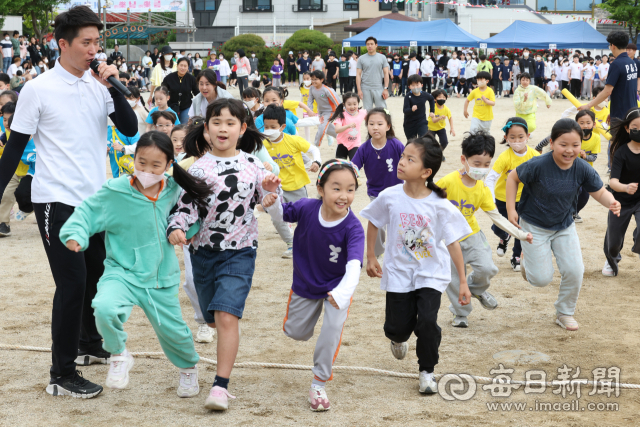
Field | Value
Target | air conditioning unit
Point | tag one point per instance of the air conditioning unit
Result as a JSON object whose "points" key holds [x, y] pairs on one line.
{"points": [[452, 9]]}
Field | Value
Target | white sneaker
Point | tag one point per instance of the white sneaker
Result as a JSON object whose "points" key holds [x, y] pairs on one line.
{"points": [[399, 350], [205, 333], [188, 385], [21, 216], [288, 254], [460, 321], [428, 384], [118, 376], [607, 270]]}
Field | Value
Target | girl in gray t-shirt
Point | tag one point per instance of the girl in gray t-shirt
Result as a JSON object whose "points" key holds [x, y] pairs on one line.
{"points": [[317, 64]]}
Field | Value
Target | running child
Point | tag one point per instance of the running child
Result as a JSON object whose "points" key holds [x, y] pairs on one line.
{"points": [[161, 95], [468, 193], [177, 139], [589, 152], [437, 123], [224, 249], [348, 125], [415, 114], [379, 156], [329, 247], [484, 99], [252, 99], [417, 265], [276, 95], [516, 136], [549, 197], [141, 266], [327, 101], [624, 179], [525, 99], [304, 91]]}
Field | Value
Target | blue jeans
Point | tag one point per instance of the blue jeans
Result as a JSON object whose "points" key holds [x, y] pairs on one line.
{"points": [[403, 86], [184, 116], [5, 64], [223, 79]]}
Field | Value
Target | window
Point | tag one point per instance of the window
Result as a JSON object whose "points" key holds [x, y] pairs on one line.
{"points": [[256, 5], [309, 5], [350, 5], [387, 6], [586, 4], [564, 5], [546, 5], [205, 5]]}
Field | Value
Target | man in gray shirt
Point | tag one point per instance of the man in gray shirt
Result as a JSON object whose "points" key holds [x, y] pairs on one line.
{"points": [[370, 75]]}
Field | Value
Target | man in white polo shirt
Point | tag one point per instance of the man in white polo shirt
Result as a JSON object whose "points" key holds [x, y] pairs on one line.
{"points": [[66, 111]]}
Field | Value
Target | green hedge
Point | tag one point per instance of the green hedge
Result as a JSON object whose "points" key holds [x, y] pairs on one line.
{"points": [[250, 43], [311, 40]]}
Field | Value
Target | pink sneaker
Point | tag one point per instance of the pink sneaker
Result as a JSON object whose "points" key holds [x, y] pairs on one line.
{"points": [[318, 399], [218, 399]]}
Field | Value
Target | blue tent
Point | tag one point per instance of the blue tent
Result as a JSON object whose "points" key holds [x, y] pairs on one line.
{"points": [[573, 35], [442, 32]]}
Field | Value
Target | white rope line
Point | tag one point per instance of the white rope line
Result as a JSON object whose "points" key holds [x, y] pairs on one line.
{"points": [[152, 354]]}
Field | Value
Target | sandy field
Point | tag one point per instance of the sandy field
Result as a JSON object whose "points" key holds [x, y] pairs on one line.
{"points": [[608, 337]]}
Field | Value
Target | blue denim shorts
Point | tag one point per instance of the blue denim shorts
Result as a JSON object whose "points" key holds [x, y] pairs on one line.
{"points": [[222, 280]]}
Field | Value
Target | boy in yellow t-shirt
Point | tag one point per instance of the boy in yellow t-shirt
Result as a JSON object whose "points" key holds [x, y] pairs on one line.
{"points": [[286, 150], [485, 99], [437, 124], [467, 192]]}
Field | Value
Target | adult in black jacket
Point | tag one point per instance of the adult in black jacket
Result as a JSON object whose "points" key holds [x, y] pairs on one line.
{"points": [[182, 88], [444, 60], [116, 54], [527, 63], [34, 52]]}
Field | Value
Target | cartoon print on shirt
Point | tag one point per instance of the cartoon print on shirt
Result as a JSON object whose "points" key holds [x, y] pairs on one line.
{"points": [[238, 191], [390, 164], [228, 167], [467, 209], [415, 236], [334, 253]]}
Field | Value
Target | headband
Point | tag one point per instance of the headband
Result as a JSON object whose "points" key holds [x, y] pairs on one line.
{"points": [[635, 110], [506, 127], [337, 162]]}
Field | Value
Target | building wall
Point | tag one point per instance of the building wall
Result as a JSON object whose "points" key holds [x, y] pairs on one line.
{"points": [[371, 9], [12, 23]]}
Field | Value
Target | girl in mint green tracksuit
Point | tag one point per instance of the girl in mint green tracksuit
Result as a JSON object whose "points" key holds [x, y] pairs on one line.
{"points": [[141, 267]]}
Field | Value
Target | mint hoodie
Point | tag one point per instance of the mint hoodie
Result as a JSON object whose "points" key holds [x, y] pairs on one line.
{"points": [[135, 241]]}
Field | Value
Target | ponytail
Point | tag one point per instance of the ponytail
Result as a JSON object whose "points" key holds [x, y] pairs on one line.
{"points": [[440, 192], [338, 113], [195, 145], [251, 141], [196, 188]]}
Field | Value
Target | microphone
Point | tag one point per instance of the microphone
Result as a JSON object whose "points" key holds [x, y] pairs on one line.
{"points": [[111, 79]]}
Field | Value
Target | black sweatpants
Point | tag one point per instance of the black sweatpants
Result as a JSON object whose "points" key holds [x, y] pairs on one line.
{"points": [[76, 276], [343, 153], [442, 137], [415, 130], [23, 194], [291, 71], [417, 312], [353, 87], [426, 84], [502, 208], [616, 229], [331, 82], [344, 85], [576, 87]]}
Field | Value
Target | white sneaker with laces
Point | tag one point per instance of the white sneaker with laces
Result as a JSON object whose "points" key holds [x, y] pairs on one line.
{"points": [[399, 349], [205, 333], [607, 270], [318, 399], [21, 216], [428, 384], [288, 254], [188, 385], [567, 322], [118, 376]]}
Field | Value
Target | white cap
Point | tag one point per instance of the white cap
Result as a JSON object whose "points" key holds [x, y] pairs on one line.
{"points": [[290, 52]]}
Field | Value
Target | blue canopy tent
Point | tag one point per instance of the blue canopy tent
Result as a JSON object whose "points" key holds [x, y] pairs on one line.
{"points": [[573, 35], [442, 32]]}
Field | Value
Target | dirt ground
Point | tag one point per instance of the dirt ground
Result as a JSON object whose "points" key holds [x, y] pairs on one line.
{"points": [[524, 320]]}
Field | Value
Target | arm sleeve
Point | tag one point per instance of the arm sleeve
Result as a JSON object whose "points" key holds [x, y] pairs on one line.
{"points": [[183, 215], [592, 157], [432, 104], [592, 181], [490, 181], [504, 224], [86, 220], [130, 149], [315, 152], [357, 159], [310, 100], [344, 291], [376, 212], [11, 157], [264, 156], [123, 116], [543, 143]]}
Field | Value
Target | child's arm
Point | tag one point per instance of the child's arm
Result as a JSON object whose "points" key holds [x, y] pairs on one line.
{"points": [[455, 252], [630, 188], [466, 106], [87, 219], [308, 110], [490, 182], [340, 296], [340, 129], [504, 224], [512, 190], [183, 216], [453, 132], [543, 96], [267, 161], [407, 108], [488, 101], [607, 200], [373, 266]]}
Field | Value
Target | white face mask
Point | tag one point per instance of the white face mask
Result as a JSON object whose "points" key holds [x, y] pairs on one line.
{"points": [[307, 83], [6, 38], [147, 179], [518, 146], [168, 57], [526, 54], [189, 57], [132, 102], [253, 55], [388, 59], [428, 57], [477, 173], [406, 57], [272, 134], [250, 103]]}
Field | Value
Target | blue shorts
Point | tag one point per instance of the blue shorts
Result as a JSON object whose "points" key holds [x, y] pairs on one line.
{"points": [[222, 280]]}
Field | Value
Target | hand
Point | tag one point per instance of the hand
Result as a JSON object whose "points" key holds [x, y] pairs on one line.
{"points": [[72, 245], [385, 93], [466, 114], [432, 115], [150, 101], [513, 218], [332, 301], [117, 146], [584, 107], [464, 297], [271, 183], [177, 237], [529, 238], [105, 71], [453, 132], [548, 106], [314, 167], [615, 207], [312, 114], [485, 99], [360, 94], [321, 118], [526, 96], [352, 125], [414, 108], [632, 188], [583, 154], [269, 200], [268, 166], [373, 267]]}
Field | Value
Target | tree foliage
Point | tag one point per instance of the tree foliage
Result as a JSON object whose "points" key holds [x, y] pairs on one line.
{"points": [[627, 11], [311, 40], [251, 43]]}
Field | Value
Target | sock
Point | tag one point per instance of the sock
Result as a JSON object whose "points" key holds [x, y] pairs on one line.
{"points": [[221, 382], [317, 382]]}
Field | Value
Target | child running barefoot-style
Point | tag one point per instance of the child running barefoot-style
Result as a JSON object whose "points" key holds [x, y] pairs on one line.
{"points": [[141, 266], [437, 123], [327, 258], [516, 136], [466, 191], [379, 156], [348, 125], [425, 229], [551, 183], [625, 176], [224, 249]]}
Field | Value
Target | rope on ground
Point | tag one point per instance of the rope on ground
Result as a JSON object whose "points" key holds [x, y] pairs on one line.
{"points": [[250, 365]]}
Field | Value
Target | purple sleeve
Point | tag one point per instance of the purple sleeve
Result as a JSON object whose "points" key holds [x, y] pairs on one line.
{"points": [[355, 242], [358, 159], [291, 211]]}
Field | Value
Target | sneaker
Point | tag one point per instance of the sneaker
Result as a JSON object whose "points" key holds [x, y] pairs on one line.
{"points": [[288, 254], [487, 300], [460, 321], [21, 216], [502, 246], [74, 386], [188, 386], [567, 322], [118, 376], [318, 399], [218, 399], [428, 384], [205, 333], [515, 263], [577, 218], [607, 270], [399, 350], [5, 230], [90, 357]]}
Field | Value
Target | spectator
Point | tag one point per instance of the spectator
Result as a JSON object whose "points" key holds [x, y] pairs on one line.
{"points": [[303, 64], [182, 88], [197, 65], [253, 61], [426, 67], [318, 63], [291, 69], [147, 64], [243, 70], [332, 71], [631, 51], [162, 70], [155, 56], [527, 63], [116, 54], [101, 56], [353, 65], [13, 68], [15, 42], [372, 69], [7, 52], [213, 63]]}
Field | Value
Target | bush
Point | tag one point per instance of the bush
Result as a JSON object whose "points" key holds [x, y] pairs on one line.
{"points": [[250, 43], [311, 40]]}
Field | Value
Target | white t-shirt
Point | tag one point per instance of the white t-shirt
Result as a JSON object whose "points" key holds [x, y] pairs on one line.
{"points": [[123, 67], [576, 70], [353, 65], [454, 67], [564, 73], [603, 71], [147, 62], [11, 71], [418, 232], [414, 66], [101, 57], [552, 86], [589, 71], [67, 117]]}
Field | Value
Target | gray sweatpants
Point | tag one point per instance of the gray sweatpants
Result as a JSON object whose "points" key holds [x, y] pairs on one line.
{"points": [[325, 128], [371, 96], [476, 253], [190, 288], [300, 322], [380, 238], [282, 227]]}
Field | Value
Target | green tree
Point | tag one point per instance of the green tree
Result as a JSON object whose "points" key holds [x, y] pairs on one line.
{"points": [[627, 11], [251, 43], [311, 40], [10, 7]]}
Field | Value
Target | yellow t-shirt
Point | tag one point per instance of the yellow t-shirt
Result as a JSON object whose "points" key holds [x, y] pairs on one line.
{"points": [[290, 105], [305, 98], [286, 154], [444, 111], [467, 199], [592, 145], [481, 110], [506, 162]]}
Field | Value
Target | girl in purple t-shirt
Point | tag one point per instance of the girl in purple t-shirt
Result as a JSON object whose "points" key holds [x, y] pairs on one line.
{"points": [[379, 156], [348, 125], [328, 247], [276, 71]]}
